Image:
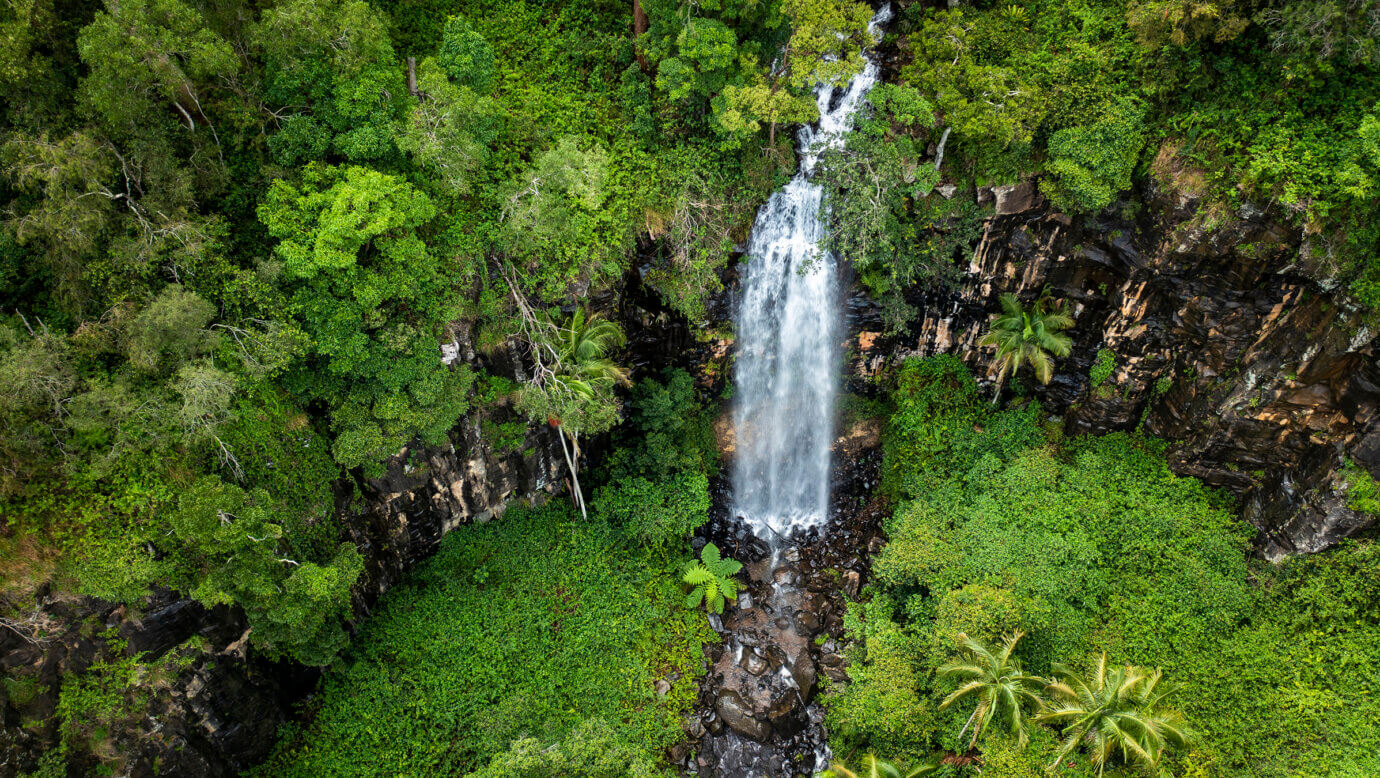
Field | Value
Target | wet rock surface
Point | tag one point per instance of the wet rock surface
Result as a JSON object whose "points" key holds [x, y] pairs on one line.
{"points": [[1226, 341], [758, 715]]}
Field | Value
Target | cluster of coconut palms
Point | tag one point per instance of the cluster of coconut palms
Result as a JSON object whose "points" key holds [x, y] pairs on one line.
{"points": [[1114, 712]]}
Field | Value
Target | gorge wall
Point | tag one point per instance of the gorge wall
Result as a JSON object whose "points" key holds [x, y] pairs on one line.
{"points": [[1224, 343], [212, 707]]}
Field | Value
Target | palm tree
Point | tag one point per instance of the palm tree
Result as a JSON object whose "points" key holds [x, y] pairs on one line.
{"points": [[584, 372], [1114, 711], [582, 349], [1002, 688], [1028, 337], [876, 768]]}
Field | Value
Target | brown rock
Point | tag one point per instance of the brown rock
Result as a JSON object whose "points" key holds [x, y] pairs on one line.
{"points": [[852, 580], [739, 718], [1016, 198]]}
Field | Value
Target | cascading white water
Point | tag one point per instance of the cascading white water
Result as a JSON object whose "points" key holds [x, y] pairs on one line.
{"points": [[786, 375]]}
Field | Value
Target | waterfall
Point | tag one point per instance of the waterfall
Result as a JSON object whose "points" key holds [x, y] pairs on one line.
{"points": [[786, 375]]}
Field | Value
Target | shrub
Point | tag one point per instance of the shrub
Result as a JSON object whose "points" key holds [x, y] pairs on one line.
{"points": [[884, 708], [1090, 164], [655, 514], [498, 648]]}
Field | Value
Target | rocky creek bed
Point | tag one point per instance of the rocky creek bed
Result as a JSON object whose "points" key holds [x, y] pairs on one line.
{"points": [[758, 714]]}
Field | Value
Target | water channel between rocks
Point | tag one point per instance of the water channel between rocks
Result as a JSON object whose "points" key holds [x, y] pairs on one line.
{"points": [[790, 515]]}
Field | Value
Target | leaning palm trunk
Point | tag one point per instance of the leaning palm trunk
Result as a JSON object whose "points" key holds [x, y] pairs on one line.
{"points": [[998, 384], [969, 723]]}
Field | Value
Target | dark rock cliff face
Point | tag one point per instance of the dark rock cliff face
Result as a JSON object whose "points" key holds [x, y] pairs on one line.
{"points": [[1223, 341], [1223, 344], [212, 707]]}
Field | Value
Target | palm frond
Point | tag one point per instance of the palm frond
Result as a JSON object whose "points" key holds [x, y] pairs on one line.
{"points": [[1042, 365], [1011, 305], [972, 687]]}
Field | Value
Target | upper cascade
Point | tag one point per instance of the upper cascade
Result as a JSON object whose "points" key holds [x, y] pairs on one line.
{"points": [[786, 374]]}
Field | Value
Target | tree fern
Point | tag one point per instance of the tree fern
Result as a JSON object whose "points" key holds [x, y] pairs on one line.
{"points": [[711, 580]]}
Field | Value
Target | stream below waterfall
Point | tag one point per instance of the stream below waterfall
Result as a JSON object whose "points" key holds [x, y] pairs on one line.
{"points": [[789, 514]]}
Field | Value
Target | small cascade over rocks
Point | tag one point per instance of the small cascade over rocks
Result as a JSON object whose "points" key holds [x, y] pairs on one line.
{"points": [[758, 718]]}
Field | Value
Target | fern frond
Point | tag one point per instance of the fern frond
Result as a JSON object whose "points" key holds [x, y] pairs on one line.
{"points": [[710, 555], [728, 567], [729, 588], [698, 575]]}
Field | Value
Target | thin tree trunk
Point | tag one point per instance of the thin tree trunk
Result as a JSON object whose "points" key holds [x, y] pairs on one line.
{"points": [[775, 85], [640, 25], [969, 723], [576, 494], [412, 76]]}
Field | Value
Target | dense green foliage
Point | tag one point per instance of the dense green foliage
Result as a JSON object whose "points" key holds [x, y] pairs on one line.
{"points": [[1269, 101], [1093, 546], [656, 486], [235, 236], [876, 768], [535, 629]]}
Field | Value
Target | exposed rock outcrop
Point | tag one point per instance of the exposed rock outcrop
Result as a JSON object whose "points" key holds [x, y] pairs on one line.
{"points": [[213, 707], [1223, 343]]}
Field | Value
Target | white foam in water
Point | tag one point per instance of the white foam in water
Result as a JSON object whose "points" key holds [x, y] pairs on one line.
{"points": [[786, 375]]}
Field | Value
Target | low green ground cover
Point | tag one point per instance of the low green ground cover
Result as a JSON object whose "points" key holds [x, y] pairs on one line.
{"points": [[1090, 546], [534, 630]]}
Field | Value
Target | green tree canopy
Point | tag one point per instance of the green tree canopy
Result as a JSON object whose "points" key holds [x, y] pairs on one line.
{"points": [[294, 606], [373, 297], [1090, 165], [466, 57]]}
